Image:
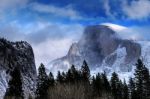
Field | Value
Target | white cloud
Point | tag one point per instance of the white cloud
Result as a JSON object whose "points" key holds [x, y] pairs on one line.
{"points": [[11, 7], [131, 33], [49, 40], [143, 31], [54, 31], [138, 9], [4, 4], [115, 26], [51, 49], [54, 42], [67, 11], [108, 9], [11, 31]]}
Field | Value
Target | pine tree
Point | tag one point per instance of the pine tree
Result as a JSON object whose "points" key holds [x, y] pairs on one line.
{"points": [[120, 90], [132, 89], [85, 72], [139, 79], [15, 85], [146, 83], [75, 74], [51, 84], [93, 85], [125, 94], [69, 76], [97, 85], [105, 83], [51, 79], [42, 83], [61, 77], [115, 86], [142, 81], [85, 79]]}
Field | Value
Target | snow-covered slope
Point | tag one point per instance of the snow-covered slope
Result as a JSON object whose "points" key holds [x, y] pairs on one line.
{"points": [[103, 50], [20, 55], [3, 82], [145, 55]]}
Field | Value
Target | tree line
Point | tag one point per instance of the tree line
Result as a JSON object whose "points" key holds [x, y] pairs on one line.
{"points": [[80, 84]]}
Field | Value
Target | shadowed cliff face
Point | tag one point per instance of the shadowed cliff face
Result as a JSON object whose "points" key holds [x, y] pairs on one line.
{"points": [[133, 50], [99, 43], [96, 43], [20, 55]]}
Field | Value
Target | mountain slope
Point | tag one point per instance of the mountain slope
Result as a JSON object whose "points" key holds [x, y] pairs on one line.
{"points": [[20, 55], [103, 50]]}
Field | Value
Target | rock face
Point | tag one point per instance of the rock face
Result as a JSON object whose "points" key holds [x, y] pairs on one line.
{"points": [[101, 47], [20, 55]]}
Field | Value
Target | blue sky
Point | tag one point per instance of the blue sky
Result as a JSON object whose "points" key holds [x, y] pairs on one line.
{"points": [[85, 12], [56, 24]]}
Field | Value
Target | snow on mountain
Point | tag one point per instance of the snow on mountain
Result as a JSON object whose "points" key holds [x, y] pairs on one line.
{"points": [[104, 50], [20, 55], [145, 56], [3, 82]]}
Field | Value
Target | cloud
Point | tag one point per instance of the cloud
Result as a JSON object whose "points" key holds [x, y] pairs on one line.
{"points": [[67, 11], [51, 49], [49, 40], [10, 7], [108, 9], [115, 26], [138, 9], [11, 31], [142, 31], [132, 33], [53, 41], [4, 4], [53, 31]]}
